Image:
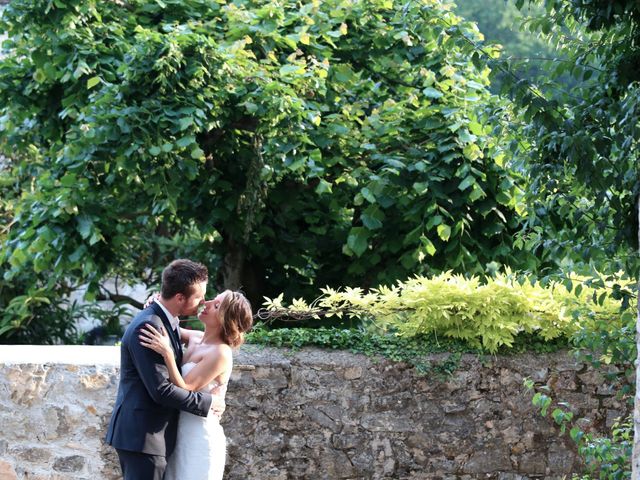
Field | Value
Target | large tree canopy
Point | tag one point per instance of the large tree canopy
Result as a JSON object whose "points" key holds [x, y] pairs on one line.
{"points": [[280, 142]]}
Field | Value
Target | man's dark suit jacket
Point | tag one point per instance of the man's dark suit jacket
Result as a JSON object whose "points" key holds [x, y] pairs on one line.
{"points": [[145, 415]]}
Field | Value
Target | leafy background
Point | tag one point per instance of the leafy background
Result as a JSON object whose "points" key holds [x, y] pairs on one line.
{"points": [[340, 143], [392, 149]]}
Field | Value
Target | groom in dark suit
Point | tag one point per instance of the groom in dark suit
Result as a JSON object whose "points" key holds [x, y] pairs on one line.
{"points": [[145, 416]]}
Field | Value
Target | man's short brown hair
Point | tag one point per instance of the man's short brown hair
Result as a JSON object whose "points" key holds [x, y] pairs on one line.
{"points": [[180, 276]]}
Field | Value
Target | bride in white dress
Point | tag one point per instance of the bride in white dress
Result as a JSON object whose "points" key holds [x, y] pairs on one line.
{"points": [[200, 444]]}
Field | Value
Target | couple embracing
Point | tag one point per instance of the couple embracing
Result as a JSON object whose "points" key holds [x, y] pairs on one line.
{"points": [[165, 422]]}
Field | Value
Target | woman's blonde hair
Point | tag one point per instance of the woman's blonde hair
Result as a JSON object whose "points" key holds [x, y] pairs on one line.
{"points": [[236, 318]]}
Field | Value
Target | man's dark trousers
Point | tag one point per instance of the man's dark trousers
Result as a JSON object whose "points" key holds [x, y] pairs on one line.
{"points": [[136, 465]]}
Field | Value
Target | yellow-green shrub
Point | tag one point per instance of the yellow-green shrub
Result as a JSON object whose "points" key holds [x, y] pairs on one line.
{"points": [[488, 314]]}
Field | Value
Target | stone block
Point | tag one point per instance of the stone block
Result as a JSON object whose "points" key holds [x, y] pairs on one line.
{"points": [[269, 441], [534, 463], [316, 440], [560, 459], [388, 422], [22, 427], [612, 417], [511, 434], [511, 476], [490, 459], [566, 363], [591, 379], [320, 418], [296, 442], [352, 373], [336, 465], [241, 379], [363, 462], [73, 463], [517, 449], [454, 406], [444, 465], [26, 383], [423, 441], [539, 375], [419, 475], [602, 389], [399, 402], [32, 455], [96, 381], [344, 442], [271, 378], [352, 401], [7, 471], [48, 476], [578, 403], [299, 467], [566, 381], [463, 425]]}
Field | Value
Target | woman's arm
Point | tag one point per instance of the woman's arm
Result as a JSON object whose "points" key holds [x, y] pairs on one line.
{"points": [[207, 369], [187, 335], [159, 342]]}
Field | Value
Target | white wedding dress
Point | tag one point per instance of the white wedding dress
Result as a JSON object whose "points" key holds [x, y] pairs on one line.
{"points": [[200, 444]]}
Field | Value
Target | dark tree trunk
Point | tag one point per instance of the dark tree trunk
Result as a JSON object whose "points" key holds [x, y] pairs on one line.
{"points": [[233, 264], [240, 273]]}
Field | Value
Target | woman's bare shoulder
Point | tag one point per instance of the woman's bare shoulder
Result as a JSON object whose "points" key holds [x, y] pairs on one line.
{"points": [[221, 350], [225, 349]]}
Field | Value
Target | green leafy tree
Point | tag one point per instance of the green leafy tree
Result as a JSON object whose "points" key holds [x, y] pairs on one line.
{"points": [[581, 145], [281, 143]]}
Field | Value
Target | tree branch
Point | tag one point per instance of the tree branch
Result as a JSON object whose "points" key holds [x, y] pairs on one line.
{"points": [[119, 298]]}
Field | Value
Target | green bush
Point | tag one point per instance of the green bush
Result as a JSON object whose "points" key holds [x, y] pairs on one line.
{"points": [[34, 315]]}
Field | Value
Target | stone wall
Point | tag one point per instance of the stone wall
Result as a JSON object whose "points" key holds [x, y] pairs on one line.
{"points": [[312, 414]]}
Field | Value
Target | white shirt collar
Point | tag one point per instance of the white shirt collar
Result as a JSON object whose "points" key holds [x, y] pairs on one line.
{"points": [[174, 321]]}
